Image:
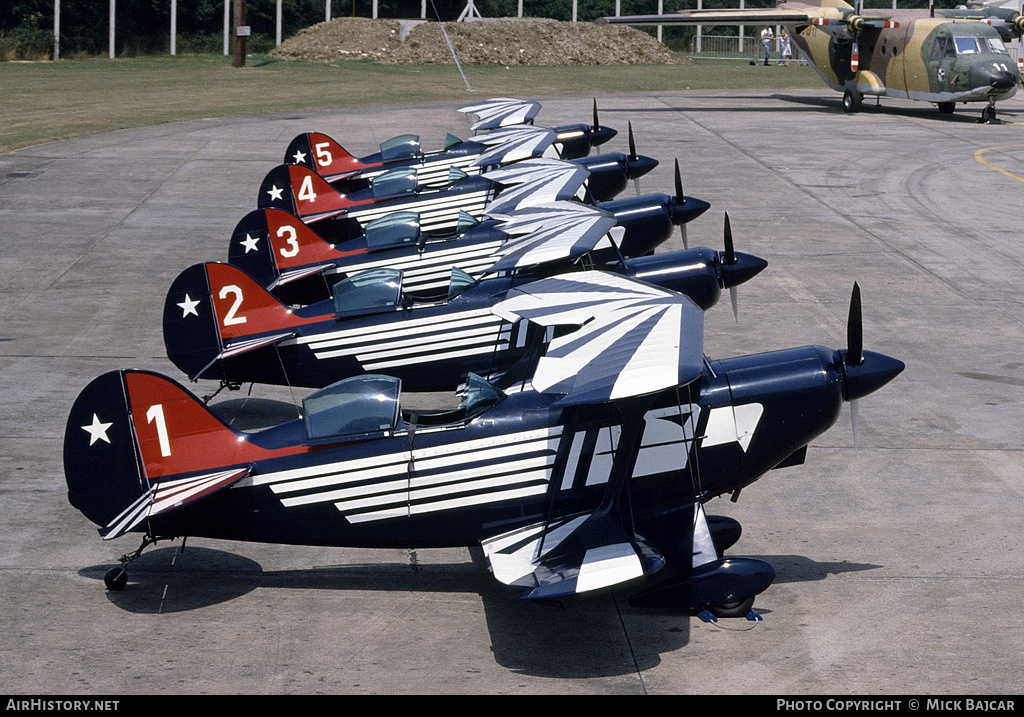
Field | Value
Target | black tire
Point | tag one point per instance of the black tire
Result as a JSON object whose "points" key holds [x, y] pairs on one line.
{"points": [[737, 608], [852, 100], [946, 108], [116, 579]]}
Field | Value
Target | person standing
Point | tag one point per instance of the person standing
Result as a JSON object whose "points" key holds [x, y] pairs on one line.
{"points": [[785, 49], [766, 40]]}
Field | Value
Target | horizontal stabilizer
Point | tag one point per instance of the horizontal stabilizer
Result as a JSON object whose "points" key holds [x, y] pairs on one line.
{"points": [[574, 555], [501, 112], [169, 495], [634, 339]]}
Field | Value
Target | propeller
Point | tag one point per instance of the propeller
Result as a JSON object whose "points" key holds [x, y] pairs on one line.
{"points": [[598, 134], [855, 350], [736, 268], [681, 199], [637, 165]]}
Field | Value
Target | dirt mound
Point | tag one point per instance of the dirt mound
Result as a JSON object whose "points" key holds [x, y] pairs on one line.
{"points": [[480, 42]]}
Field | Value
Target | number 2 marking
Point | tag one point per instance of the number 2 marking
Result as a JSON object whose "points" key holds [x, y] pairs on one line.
{"points": [[156, 413], [230, 318]]}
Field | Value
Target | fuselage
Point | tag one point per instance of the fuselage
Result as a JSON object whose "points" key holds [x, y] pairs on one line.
{"points": [[925, 58]]}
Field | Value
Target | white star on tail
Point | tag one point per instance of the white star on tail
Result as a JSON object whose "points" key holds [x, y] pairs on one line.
{"points": [[188, 306], [97, 431], [275, 192], [250, 243]]}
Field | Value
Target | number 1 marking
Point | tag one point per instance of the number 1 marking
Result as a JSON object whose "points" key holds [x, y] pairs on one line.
{"points": [[156, 413]]}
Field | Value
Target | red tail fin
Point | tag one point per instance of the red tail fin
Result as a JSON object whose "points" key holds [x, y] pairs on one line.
{"points": [[324, 156], [244, 308], [302, 192]]}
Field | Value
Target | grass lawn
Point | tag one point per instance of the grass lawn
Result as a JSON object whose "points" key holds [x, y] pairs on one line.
{"points": [[54, 100]]}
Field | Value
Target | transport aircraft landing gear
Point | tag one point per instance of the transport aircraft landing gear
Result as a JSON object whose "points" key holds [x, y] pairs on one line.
{"points": [[852, 100], [988, 115], [946, 108]]}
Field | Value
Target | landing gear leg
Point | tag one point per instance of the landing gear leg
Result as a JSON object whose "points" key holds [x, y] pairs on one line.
{"points": [[117, 578]]}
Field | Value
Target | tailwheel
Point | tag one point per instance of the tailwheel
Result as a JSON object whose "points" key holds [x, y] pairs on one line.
{"points": [[117, 577]]}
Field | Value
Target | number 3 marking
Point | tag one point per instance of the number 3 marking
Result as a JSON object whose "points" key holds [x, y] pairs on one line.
{"points": [[290, 236], [230, 319]]}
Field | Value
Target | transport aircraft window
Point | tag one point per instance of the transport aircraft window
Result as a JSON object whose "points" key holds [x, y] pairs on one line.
{"points": [[358, 405], [994, 44], [966, 45], [370, 291]]}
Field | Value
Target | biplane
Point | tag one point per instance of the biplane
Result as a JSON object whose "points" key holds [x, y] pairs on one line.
{"points": [[592, 475], [220, 324], [507, 135], [292, 258]]}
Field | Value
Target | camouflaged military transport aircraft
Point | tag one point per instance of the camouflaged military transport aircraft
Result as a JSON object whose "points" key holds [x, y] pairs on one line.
{"points": [[943, 57]]}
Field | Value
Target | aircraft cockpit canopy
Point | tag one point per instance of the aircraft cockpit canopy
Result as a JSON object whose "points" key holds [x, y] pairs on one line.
{"points": [[359, 405], [391, 230], [368, 292], [967, 43], [395, 183], [404, 146]]}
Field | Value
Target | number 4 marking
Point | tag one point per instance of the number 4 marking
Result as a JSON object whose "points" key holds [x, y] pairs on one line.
{"points": [[156, 413], [306, 192]]}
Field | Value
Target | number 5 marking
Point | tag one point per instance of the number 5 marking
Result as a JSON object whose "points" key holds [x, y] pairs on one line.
{"points": [[230, 319], [156, 413]]}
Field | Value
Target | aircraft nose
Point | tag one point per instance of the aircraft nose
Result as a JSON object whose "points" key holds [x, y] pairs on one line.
{"points": [[638, 165], [871, 374], [743, 268], [599, 135], [687, 209], [998, 79]]}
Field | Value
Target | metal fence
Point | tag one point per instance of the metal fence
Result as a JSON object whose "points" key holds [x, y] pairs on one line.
{"points": [[732, 47]]}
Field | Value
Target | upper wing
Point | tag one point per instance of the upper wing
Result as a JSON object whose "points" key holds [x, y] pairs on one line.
{"points": [[501, 112], [511, 144], [757, 16], [634, 339], [535, 181], [549, 232]]}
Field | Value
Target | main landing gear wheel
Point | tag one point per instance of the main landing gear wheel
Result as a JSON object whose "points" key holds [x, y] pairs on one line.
{"points": [[852, 100], [116, 579], [988, 114], [946, 108], [735, 608]]}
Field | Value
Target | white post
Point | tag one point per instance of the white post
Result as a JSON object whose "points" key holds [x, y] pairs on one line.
{"points": [[113, 8], [56, 29], [374, 11], [521, 7], [277, 22], [327, 10], [227, 27], [661, 11], [700, 28], [174, 27], [574, 3], [743, 5], [618, 8]]}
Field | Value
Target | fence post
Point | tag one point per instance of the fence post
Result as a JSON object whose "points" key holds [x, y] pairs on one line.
{"points": [[56, 30], [174, 27], [113, 9], [238, 57]]}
